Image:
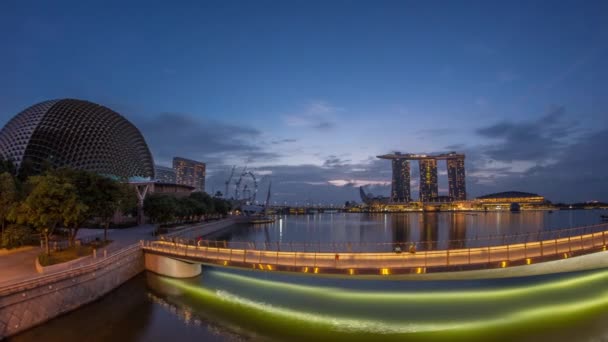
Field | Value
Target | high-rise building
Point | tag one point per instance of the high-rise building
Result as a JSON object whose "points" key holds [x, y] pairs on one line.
{"points": [[164, 174], [456, 178], [400, 185], [428, 179], [429, 189], [190, 172]]}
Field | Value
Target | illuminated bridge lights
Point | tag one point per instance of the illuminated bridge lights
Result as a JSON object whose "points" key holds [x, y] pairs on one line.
{"points": [[305, 269], [351, 271], [504, 264], [385, 271], [316, 270], [420, 270], [566, 255], [528, 261]]}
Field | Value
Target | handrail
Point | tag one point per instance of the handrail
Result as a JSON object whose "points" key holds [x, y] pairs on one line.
{"points": [[524, 253], [349, 246], [54, 277]]}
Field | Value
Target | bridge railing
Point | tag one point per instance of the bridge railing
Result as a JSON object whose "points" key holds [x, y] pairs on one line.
{"points": [[471, 258], [405, 246]]}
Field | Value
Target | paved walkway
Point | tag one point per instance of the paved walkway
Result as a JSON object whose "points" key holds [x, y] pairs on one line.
{"points": [[18, 264]]}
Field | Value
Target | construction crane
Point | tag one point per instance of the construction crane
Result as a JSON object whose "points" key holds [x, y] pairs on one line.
{"points": [[228, 182]]}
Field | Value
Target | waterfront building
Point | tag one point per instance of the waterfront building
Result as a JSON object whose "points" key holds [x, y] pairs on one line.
{"points": [[456, 178], [164, 174], [503, 200], [76, 134], [428, 179], [171, 189], [400, 186], [190, 172]]}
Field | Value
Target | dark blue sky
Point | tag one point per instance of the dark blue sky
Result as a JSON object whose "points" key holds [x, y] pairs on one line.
{"points": [[309, 92]]}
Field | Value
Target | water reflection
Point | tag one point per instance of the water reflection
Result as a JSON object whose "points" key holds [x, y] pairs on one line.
{"points": [[430, 230]]}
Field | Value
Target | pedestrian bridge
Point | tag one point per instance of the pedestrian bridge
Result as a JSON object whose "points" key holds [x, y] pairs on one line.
{"points": [[183, 258]]}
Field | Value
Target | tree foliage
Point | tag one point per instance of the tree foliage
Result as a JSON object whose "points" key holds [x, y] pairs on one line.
{"points": [[8, 196], [165, 209], [51, 202], [16, 235], [160, 208]]}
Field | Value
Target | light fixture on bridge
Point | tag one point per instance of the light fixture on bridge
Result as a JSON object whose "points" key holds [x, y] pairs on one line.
{"points": [[503, 264], [528, 261], [385, 271]]}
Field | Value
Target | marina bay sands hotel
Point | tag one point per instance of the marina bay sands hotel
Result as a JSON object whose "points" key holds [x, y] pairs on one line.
{"points": [[400, 186]]}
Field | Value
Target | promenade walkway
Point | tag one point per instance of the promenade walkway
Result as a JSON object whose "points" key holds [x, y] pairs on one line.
{"points": [[19, 265], [385, 263]]}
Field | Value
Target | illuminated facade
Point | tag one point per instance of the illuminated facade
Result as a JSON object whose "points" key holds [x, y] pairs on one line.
{"points": [[76, 134], [505, 199], [428, 179], [164, 174], [429, 189], [190, 172], [400, 186], [456, 178]]}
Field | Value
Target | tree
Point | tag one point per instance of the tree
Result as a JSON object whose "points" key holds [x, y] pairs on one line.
{"points": [[86, 189], [16, 235], [8, 197], [128, 200], [204, 198], [51, 202], [8, 166], [221, 206], [160, 208], [108, 199]]}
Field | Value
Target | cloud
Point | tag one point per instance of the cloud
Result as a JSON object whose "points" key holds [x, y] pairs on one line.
{"points": [[176, 134], [534, 140], [578, 175], [318, 115], [283, 141], [334, 161]]}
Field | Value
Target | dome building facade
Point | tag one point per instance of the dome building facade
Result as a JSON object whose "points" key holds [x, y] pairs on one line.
{"points": [[76, 134]]}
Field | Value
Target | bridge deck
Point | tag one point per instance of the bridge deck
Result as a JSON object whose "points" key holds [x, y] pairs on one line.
{"points": [[386, 263]]}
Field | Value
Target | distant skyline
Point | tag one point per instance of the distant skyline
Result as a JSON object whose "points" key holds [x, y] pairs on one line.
{"points": [[308, 93]]}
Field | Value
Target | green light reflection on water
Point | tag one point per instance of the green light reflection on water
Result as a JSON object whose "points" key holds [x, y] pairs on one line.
{"points": [[512, 312]]}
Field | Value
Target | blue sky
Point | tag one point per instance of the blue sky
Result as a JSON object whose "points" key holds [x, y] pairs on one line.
{"points": [[307, 93]]}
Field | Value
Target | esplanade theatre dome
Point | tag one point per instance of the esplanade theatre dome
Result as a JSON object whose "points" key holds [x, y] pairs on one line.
{"points": [[77, 134]]}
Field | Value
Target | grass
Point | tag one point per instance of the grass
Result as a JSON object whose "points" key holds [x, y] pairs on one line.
{"points": [[70, 254]]}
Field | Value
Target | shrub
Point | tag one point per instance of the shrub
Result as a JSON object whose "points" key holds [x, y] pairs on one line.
{"points": [[16, 235]]}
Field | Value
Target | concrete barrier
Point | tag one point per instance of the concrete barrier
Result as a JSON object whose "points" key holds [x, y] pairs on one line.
{"points": [[171, 267], [31, 302]]}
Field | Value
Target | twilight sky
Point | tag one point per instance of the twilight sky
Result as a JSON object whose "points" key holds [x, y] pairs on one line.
{"points": [[307, 93]]}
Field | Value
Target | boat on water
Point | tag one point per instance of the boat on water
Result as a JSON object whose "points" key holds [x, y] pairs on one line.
{"points": [[258, 214], [262, 220]]}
